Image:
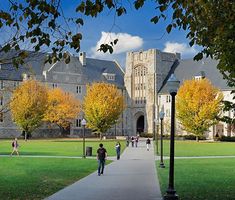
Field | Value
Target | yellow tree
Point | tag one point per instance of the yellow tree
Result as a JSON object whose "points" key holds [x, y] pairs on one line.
{"points": [[28, 104], [62, 109], [198, 105], [102, 106]]}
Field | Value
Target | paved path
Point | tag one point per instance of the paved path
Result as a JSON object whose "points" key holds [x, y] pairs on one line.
{"points": [[131, 177]]}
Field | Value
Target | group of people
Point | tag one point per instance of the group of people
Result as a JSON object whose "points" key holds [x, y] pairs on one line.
{"points": [[134, 141]]}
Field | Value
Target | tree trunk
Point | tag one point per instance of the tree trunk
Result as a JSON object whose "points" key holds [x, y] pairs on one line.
{"points": [[197, 139], [100, 136], [25, 135]]}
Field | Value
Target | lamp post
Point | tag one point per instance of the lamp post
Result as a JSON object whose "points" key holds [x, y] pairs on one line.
{"points": [[172, 85], [156, 133], [83, 125], [161, 115]]}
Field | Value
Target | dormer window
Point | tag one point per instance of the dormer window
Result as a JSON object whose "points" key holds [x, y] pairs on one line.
{"points": [[201, 75], [109, 76]]}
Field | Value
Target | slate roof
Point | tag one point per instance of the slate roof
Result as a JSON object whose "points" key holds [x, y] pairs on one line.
{"points": [[93, 69], [188, 69], [33, 64]]}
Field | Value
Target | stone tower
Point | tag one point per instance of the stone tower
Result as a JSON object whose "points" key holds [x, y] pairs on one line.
{"points": [[145, 73]]}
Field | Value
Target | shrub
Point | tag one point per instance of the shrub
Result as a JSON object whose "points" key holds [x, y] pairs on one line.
{"points": [[146, 135], [193, 137], [227, 138]]}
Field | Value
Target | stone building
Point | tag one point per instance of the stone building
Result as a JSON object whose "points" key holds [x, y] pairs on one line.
{"points": [[72, 77], [145, 82], [143, 85]]}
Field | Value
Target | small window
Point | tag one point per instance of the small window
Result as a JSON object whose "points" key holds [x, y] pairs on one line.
{"points": [[79, 89], [78, 122], [1, 117], [54, 85], [1, 100], [2, 84], [168, 99]]}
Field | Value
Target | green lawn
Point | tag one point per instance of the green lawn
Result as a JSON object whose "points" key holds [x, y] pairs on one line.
{"points": [[58, 147], [201, 179], [202, 148], [37, 178]]}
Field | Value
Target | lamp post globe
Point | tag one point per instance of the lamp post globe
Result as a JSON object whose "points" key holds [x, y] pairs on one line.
{"points": [[161, 116], [172, 85], [83, 122]]}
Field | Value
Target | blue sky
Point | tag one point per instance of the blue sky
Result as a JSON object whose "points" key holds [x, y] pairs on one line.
{"points": [[134, 31]]}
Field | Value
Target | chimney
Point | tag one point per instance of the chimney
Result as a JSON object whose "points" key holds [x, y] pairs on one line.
{"points": [[82, 58], [178, 56]]}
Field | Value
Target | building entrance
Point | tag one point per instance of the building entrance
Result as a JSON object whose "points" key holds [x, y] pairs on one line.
{"points": [[140, 125]]}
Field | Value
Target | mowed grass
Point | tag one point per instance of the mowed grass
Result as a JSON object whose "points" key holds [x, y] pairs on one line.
{"points": [[202, 148], [201, 179], [58, 147], [36, 178]]}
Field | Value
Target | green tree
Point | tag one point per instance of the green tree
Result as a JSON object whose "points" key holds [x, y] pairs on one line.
{"points": [[28, 105], [102, 106], [198, 105]]}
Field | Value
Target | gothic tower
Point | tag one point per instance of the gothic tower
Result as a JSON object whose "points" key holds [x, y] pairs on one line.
{"points": [[145, 73]]}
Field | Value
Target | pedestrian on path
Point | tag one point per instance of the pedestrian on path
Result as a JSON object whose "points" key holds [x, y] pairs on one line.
{"points": [[127, 140], [132, 141], [101, 157], [148, 142], [15, 146], [136, 141], [118, 150]]}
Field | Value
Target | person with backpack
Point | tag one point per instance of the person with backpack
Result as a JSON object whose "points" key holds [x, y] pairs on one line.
{"points": [[101, 157], [15, 146]]}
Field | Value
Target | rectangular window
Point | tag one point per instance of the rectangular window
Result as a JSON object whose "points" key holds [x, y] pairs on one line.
{"points": [[168, 98], [1, 100], [54, 85], [79, 89], [1, 84], [78, 122], [1, 117]]}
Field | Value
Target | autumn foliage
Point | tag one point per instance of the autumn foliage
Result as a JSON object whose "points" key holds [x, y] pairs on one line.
{"points": [[28, 104], [198, 104], [102, 106], [62, 108]]}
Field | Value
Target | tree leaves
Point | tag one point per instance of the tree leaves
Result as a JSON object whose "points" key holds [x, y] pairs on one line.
{"points": [[28, 104], [102, 106], [198, 105]]}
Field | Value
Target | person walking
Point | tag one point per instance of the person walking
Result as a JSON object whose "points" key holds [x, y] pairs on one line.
{"points": [[136, 141], [101, 157], [132, 141], [15, 146], [118, 150], [148, 142], [127, 141]]}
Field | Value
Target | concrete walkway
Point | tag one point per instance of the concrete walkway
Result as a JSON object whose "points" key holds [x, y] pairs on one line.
{"points": [[131, 177]]}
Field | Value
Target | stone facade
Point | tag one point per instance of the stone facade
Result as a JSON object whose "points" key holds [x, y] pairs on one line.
{"points": [[145, 73], [143, 84]]}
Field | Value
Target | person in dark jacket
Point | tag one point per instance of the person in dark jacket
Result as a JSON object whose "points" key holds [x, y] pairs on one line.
{"points": [[101, 157], [118, 150], [148, 142]]}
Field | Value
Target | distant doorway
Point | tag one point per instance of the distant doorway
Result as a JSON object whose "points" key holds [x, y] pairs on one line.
{"points": [[140, 125]]}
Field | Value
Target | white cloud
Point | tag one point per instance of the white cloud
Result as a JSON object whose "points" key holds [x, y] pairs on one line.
{"points": [[126, 42], [183, 48]]}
